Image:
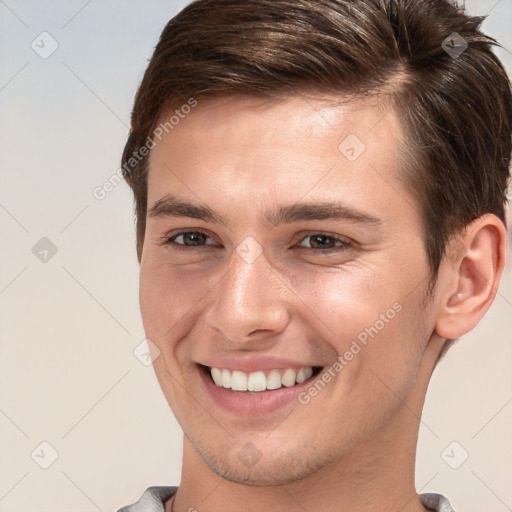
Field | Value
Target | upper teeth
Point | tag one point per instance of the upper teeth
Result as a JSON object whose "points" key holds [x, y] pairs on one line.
{"points": [[259, 381]]}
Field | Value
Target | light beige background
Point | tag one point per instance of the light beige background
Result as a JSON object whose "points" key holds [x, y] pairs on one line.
{"points": [[69, 326]]}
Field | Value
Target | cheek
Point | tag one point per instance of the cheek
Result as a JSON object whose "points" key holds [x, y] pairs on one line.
{"points": [[169, 295], [346, 301], [367, 317]]}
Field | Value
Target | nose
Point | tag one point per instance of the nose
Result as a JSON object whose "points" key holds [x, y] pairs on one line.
{"points": [[250, 303]]}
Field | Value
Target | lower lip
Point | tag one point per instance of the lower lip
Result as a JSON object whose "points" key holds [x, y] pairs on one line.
{"points": [[253, 403]]}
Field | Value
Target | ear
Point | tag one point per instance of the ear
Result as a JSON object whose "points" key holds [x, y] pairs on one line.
{"points": [[469, 276]]}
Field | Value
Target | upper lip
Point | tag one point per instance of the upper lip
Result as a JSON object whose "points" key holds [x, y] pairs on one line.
{"points": [[254, 363]]}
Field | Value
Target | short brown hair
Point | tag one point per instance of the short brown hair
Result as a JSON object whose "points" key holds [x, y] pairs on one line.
{"points": [[456, 109]]}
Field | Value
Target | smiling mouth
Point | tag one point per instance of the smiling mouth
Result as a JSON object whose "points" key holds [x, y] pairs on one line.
{"points": [[260, 380]]}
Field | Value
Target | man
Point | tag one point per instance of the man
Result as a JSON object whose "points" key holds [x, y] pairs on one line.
{"points": [[320, 190]]}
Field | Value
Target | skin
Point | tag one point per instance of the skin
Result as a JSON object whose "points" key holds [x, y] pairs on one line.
{"points": [[352, 447]]}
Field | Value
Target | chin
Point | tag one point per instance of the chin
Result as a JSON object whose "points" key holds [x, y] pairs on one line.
{"points": [[274, 467]]}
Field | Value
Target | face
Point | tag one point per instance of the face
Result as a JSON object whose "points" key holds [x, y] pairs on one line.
{"points": [[283, 280]]}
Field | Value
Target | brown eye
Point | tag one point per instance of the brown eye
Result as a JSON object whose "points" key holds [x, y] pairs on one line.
{"points": [[319, 241], [188, 239]]}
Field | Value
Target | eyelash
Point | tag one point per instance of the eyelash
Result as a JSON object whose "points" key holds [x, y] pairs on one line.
{"points": [[344, 243]]}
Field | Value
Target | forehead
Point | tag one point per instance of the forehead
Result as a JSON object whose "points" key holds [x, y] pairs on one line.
{"points": [[282, 120], [239, 148]]}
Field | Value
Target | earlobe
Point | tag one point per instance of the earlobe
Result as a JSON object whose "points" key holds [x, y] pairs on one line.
{"points": [[471, 278]]}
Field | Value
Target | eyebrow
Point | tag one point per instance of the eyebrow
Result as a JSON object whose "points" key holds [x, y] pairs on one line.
{"points": [[171, 206]]}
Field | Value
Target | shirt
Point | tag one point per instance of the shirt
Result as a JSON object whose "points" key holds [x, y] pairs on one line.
{"points": [[154, 498]]}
